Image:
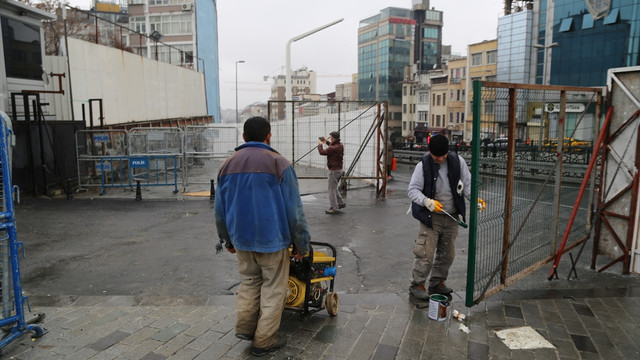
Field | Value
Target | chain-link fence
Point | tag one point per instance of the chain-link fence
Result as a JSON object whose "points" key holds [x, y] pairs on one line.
{"points": [[530, 150]]}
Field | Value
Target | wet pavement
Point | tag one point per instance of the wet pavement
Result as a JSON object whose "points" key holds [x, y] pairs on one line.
{"points": [[125, 279]]}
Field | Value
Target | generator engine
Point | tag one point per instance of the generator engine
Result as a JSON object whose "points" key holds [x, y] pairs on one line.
{"points": [[312, 277]]}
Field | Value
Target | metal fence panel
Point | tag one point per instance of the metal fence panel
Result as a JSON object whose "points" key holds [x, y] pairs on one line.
{"points": [[93, 145], [361, 126], [155, 141], [205, 147], [528, 178]]}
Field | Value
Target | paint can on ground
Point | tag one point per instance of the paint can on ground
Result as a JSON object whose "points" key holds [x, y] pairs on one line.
{"points": [[438, 307]]}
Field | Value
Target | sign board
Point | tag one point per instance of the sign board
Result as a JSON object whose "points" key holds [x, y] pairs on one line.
{"points": [[101, 138], [571, 107], [139, 163], [103, 167], [107, 7], [155, 135]]}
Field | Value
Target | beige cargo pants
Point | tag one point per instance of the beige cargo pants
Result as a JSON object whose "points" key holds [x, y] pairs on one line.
{"points": [[262, 295]]}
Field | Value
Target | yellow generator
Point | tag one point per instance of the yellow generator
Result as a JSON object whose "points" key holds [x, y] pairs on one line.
{"points": [[311, 281]]}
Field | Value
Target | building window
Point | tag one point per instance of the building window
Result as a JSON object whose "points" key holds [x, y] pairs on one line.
{"points": [[404, 90], [404, 108], [438, 100], [137, 23], [22, 50], [452, 95], [450, 118], [464, 96], [566, 25], [423, 97], [444, 99], [492, 56], [404, 125], [171, 24], [587, 21], [430, 33], [489, 107], [612, 18], [491, 78], [476, 59]]}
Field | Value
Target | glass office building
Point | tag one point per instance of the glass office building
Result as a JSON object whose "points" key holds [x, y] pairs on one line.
{"points": [[384, 48], [587, 45]]}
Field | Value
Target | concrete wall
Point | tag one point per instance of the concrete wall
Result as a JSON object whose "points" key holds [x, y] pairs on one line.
{"points": [[133, 88]]}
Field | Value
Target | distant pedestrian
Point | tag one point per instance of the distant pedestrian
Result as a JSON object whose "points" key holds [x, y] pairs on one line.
{"points": [[334, 153], [259, 214], [390, 159], [440, 181]]}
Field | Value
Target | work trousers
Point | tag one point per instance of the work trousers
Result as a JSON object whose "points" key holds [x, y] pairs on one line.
{"points": [[262, 295], [335, 199], [438, 241]]}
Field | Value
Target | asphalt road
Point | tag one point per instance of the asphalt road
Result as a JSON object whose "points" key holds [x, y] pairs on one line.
{"points": [[106, 246]]}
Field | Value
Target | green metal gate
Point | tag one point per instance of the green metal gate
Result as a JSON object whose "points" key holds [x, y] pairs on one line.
{"points": [[531, 145]]}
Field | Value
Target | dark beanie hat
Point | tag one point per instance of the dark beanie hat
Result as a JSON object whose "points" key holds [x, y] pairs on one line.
{"points": [[335, 134], [438, 145]]}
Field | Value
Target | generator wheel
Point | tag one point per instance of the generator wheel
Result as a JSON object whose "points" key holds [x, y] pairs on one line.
{"points": [[332, 303]]}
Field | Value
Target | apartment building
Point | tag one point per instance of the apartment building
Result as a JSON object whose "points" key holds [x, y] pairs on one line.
{"points": [[438, 97], [348, 92], [456, 102], [482, 65], [182, 32], [303, 86]]}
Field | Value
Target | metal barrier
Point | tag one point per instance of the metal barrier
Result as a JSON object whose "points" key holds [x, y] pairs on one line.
{"points": [[94, 145], [205, 147], [127, 171], [12, 318], [518, 168], [153, 141]]}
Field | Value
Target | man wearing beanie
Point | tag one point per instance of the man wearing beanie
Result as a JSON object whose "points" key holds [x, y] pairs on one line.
{"points": [[334, 153], [440, 181]]}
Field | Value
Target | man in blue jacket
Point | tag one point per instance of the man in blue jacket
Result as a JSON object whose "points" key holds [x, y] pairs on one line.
{"points": [[259, 214]]}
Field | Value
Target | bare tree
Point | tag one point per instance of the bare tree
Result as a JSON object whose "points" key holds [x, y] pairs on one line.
{"points": [[78, 24]]}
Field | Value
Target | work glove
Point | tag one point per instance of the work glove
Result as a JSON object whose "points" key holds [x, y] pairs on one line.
{"points": [[433, 205], [481, 205]]}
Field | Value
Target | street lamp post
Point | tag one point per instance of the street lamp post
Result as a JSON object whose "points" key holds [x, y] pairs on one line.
{"points": [[287, 84], [545, 65], [237, 62]]}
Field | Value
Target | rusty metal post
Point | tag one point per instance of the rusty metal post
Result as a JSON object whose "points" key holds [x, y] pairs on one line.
{"points": [[510, 181]]}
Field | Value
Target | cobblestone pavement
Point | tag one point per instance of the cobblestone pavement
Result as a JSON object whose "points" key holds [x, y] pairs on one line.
{"points": [[595, 324]]}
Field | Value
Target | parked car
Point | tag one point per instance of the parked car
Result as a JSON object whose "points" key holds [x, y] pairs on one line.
{"points": [[502, 143], [570, 144], [458, 145]]}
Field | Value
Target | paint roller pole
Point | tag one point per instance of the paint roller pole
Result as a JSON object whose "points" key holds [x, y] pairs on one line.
{"points": [[461, 223]]}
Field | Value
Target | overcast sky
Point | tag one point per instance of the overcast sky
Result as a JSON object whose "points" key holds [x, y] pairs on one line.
{"points": [[257, 32]]}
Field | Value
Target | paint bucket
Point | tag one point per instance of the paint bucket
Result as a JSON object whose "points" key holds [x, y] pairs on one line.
{"points": [[438, 307]]}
